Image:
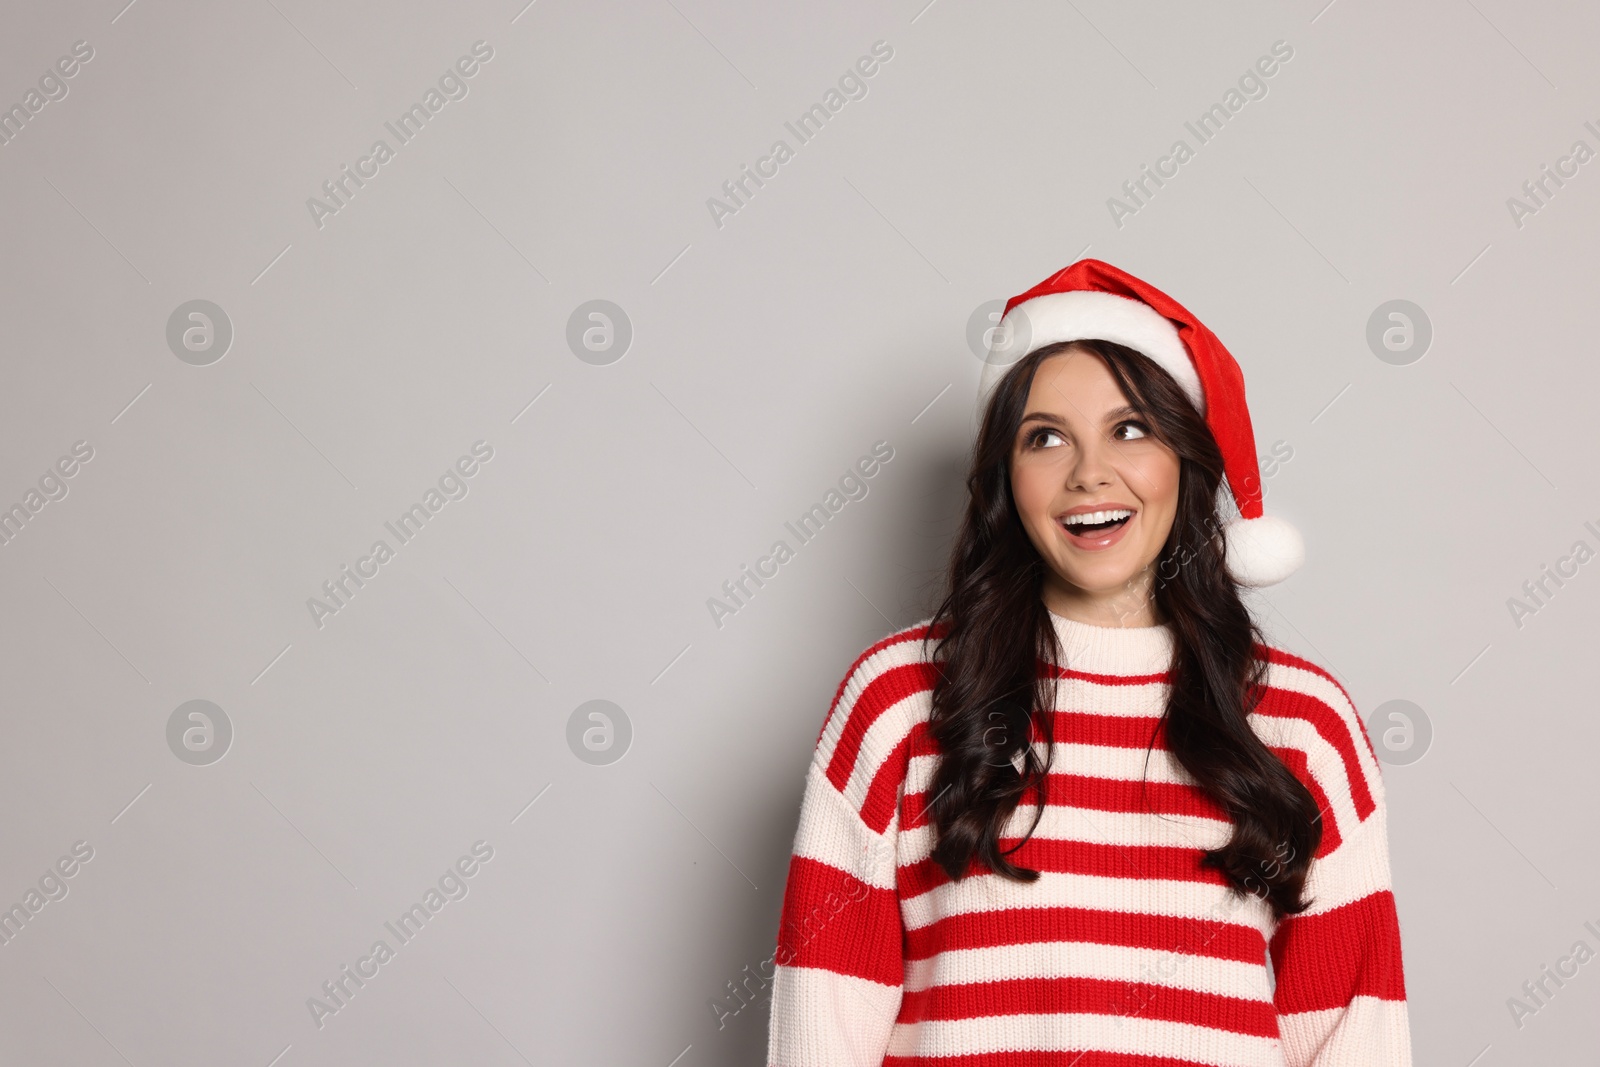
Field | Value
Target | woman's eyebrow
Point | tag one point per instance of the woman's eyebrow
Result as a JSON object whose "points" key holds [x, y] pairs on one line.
{"points": [[1126, 411]]}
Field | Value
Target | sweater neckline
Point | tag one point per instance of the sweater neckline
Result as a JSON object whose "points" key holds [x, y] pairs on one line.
{"points": [[1114, 649]]}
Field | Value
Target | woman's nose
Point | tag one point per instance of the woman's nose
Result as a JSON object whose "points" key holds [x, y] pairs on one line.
{"points": [[1091, 468]]}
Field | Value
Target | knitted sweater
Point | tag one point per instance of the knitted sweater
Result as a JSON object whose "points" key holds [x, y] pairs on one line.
{"points": [[1125, 952]]}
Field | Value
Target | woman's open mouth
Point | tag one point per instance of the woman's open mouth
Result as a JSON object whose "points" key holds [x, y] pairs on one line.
{"points": [[1096, 529]]}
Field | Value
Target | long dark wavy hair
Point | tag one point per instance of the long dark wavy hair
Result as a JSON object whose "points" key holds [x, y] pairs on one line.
{"points": [[991, 696]]}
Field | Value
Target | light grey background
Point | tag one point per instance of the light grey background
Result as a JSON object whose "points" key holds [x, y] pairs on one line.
{"points": [[769, 353]]}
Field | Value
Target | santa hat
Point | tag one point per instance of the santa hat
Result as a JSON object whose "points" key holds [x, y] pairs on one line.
{"points": [[1094, 300]]}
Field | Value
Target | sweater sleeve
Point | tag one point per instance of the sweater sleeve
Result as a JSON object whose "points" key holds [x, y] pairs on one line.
{"points": [[839, 968], [1339, 987]]}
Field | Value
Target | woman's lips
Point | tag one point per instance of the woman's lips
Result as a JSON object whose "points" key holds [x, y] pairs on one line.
{"points": [[1103, 539]]}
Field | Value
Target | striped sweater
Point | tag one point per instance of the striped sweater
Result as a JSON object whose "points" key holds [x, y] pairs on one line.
{"points": [[1125, 952]]}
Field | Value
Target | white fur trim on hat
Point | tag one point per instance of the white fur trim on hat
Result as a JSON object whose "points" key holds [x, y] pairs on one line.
{"points": [[1262, 551], [1082, 314]]}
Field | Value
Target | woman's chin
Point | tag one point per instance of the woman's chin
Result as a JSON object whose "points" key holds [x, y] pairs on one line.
{"points": [[1107, 581]]}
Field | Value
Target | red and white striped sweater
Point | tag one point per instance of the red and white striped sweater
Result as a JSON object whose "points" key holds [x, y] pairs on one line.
{"points": [[1125, 952]]}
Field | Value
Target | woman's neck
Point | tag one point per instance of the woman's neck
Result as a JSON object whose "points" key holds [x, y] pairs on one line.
{"points": [[1131, 606]]}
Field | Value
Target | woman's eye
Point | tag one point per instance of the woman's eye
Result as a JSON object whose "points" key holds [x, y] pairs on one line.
{"points": [[1037, 435], [1135, 430]]}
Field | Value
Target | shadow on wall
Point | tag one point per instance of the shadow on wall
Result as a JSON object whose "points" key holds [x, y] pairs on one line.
{"points": [[919, 549], [908, 559]]}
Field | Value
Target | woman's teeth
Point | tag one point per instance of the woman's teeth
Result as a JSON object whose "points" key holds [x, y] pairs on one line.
{"points": [[1096, 521]]}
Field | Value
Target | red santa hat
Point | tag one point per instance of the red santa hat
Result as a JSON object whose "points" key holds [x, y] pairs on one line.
{"points": [[1094, 300]]}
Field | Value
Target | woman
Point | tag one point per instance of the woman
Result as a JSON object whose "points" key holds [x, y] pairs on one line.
{"points": [[1076, 815]]}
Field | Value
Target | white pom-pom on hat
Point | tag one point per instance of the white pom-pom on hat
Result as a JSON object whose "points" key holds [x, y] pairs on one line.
{"points": [[1094, 300], [1262, 551]]}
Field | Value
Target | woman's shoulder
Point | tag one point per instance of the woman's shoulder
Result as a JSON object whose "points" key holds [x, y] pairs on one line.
{"points": [[1308, 718], [879, 709]]}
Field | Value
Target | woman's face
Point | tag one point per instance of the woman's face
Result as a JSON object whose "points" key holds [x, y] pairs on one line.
{"points": [[1082, 450]]}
